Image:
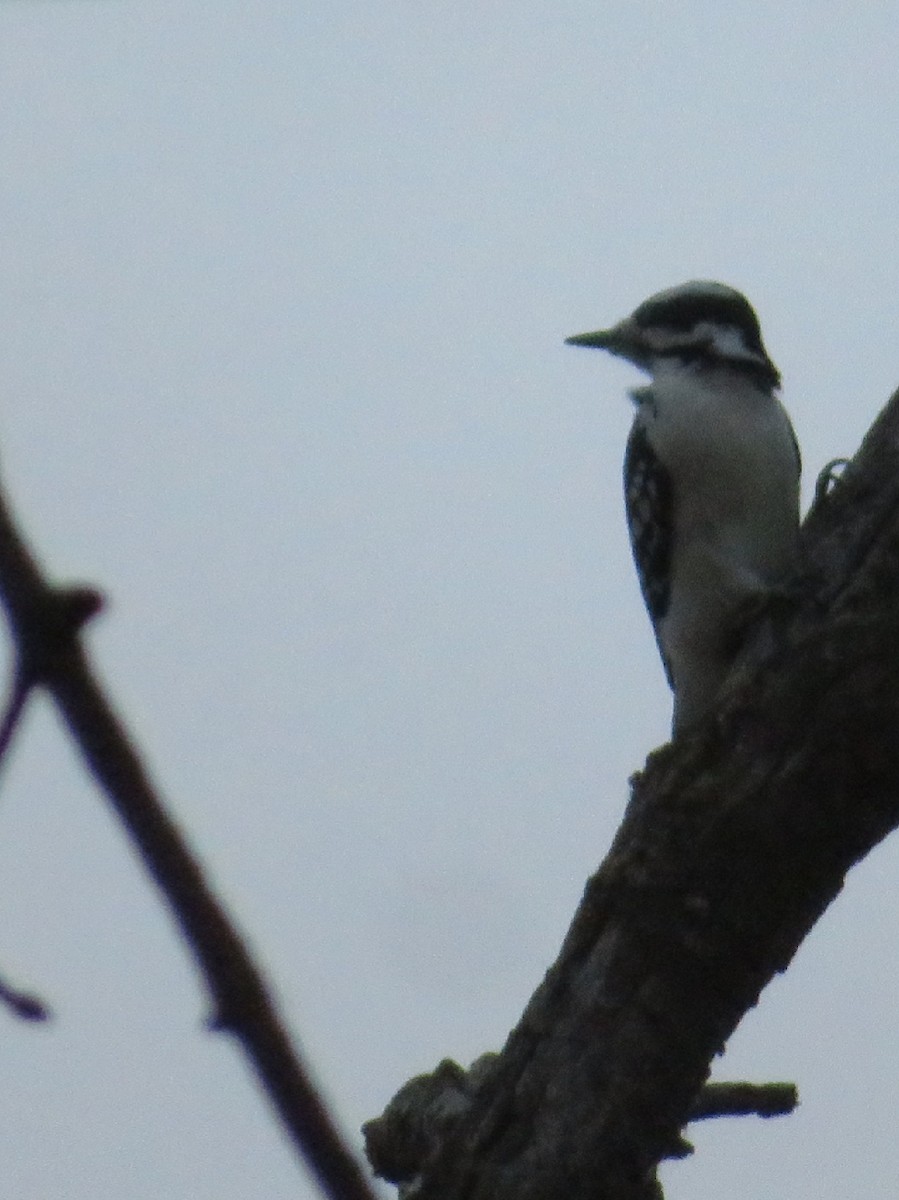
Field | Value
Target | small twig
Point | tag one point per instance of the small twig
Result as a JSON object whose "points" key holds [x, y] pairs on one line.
{"points": [[23, 1005], [45, 623], [15, 706], [745, 1100]]}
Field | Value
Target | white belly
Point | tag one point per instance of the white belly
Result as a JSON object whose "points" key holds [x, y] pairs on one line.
{"points": [[736, 517]]}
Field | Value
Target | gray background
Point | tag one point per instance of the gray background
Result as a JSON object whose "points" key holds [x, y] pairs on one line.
{"points": [[283, 290]]}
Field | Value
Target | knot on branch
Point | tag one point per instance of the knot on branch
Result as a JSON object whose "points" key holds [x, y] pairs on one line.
{"points": [[420, 1117], [50, 634]]}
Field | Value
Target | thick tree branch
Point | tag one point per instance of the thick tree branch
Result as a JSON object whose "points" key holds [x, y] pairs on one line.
{"points": [[45, 622], [733, 844]]}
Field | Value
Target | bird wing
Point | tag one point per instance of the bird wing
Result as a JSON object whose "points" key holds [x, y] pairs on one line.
{"points": [[648, 502]]}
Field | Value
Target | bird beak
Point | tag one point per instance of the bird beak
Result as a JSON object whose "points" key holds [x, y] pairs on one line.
{"points": [[625, 339], [602, 339]]}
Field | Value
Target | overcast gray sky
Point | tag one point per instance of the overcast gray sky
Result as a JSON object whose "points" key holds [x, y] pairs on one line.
{"points": [[283, 290]]}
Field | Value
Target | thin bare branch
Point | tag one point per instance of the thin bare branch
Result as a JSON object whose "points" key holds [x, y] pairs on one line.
{"points": [[23, 1005], [19, 692], [45, 623]]}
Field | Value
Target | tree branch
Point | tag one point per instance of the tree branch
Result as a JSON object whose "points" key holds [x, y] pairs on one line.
{"points": [[733, 844], [23, 1004], [45, 623], [427, 1111], [744, 1100]]}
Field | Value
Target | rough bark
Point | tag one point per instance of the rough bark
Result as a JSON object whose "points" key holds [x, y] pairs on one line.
{"points": [[734, 843]]}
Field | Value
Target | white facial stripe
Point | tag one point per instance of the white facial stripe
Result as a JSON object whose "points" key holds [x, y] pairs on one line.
{"points": [[725, 340], [728, 341]]}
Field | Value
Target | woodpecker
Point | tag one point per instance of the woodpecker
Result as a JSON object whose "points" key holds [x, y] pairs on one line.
{"points": [[711, 478]]}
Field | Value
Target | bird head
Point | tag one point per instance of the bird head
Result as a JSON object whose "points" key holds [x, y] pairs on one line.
{"points": [[699, 322]]}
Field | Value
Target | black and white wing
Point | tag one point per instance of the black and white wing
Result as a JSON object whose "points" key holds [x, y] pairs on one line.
{"points": [[648, 502]]}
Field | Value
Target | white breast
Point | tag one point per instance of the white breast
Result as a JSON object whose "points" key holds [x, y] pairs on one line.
{"points": [[729, 449]]}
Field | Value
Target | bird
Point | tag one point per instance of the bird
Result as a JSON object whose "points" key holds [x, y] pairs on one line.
{"points": [[711, 479]]}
